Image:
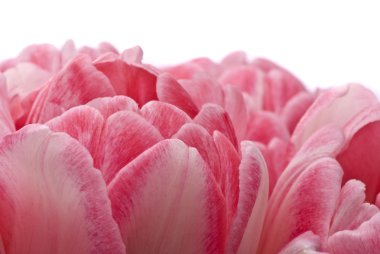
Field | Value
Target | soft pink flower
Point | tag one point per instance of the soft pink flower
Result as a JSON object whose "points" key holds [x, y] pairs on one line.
{"points": [[102, 153]]}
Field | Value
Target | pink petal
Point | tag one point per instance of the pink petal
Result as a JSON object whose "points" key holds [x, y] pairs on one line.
{"points": [[351, 211], [331, 107], [264, 125], [253, 195], [307, 206], [192, 68], [6, 121], [168, 90], [52, 199], [109, 105], [236, 108], [196, 136], [245, 78], [229, 168], [130, 80], [125, 135], [295, 108], [365, 239], [132, 55], [167, 118], [360, 160], [76, 84], [304, 243], [202, 90], [83, 123], [233, 59], [166, 201], [212, 118]]}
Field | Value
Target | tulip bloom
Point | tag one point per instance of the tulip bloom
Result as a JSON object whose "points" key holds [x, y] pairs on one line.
{"points": [[102, 153]]}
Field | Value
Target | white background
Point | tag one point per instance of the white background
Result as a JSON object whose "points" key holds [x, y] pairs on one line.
{"points": [[325, 43]]}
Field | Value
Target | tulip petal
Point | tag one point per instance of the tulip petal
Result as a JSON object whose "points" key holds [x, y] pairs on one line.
{"points": [[196, 136], [6, 121], [365, 239], [351, 211], [166, 201], [52, 199], [125, 135], [253, 196], [83, 123], [331, 107], [109, 105], [212, 118], [307, 206], [130, 80], [167, 118], [306, 243], [170, 91], [78, 83]]}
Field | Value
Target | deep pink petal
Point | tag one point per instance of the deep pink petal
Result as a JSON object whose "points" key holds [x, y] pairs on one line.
{"points": [[167, 118], [170, 91], [253, 196], [229, 167], [83, 123], [78, 83], [196, 136], [212, 118], [125, 135], [166, 201], [351, 210], [52, 200], [130, 80], [363, 240], [109, 105], [307, 206]]}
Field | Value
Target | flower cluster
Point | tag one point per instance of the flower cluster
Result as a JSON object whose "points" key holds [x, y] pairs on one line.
{"points": [[102, 153]]}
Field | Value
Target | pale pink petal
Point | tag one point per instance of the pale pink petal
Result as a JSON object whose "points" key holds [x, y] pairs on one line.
{"points": [[83, 123], [202, 90], [6, 121], [167, 118], [170, 91], [331, 106], [253, 196], [109, 105], [68, 52], [196, 136], [125, 135], [265, 125], [234, 59], [351, 212], [78, 83], [280, 88], [166, 201], [229, 167], [194, 67], [295, 108], [130, 80], [307, 206], [52, 199], [306, 243], [213, 117], [245, 78], [363, 240], [236, 108], [132, 55]]}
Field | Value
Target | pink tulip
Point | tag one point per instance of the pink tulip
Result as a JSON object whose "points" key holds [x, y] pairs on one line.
{"points": [[102, 153]]}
